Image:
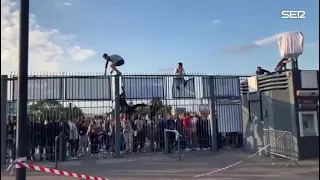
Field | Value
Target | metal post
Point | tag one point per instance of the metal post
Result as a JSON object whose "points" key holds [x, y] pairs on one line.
{"points": [[22, 122], [166, 143], [117, 117], [4, 98], [294, 63], [70, 112], [179, 152], [213, 123], [62, 146], [56, 141]]}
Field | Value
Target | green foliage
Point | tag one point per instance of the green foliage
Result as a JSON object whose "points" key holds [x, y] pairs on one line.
{"points": [[51, 110]]}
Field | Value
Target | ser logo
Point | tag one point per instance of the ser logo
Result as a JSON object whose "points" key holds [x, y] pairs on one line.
{"points": [[293, 14]]}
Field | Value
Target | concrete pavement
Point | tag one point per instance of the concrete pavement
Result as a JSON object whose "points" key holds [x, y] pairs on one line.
{"points": [[158, 167]]}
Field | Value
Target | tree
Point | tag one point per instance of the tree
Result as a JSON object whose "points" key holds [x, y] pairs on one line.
{"points": [[52, 110]]}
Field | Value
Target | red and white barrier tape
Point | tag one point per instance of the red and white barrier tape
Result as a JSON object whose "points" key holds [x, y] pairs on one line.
{"points": [[21, 162], [234, 164]]}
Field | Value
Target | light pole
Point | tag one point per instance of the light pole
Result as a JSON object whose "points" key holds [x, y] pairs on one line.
{"points": [[23, 120]]}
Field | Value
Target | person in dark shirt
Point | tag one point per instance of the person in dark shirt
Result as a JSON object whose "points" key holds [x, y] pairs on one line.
{"points": [[261, 71], [128, 109], [115, 60], [282, 64]]}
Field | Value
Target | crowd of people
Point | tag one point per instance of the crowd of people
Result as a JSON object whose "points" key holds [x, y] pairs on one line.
{"points": [[93, 135]]}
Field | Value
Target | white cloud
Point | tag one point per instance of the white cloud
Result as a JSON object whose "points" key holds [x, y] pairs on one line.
{"points": [[67, 3], [216, 21], [271, 40], [48, 48], [81, 54], [246, 47], [313, 44], [268, 40]]}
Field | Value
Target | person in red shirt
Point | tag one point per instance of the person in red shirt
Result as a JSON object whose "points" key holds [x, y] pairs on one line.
{"points": [[186, 122], [122, 117]]}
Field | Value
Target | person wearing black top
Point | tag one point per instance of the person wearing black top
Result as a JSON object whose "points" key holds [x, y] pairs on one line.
{"points": [[115, 60], [282, 64], [128, 109], [261, 71]]}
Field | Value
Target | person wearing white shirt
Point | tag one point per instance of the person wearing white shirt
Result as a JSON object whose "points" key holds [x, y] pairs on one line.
{"points": [[127, 134], [73, 138], [140, 124]]}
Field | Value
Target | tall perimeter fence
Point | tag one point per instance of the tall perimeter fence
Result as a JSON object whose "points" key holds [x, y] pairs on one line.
{"points": [[80, 115]]}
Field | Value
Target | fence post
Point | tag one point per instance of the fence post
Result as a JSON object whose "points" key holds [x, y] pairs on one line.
{"points": [[4, 89], [213, 123], [117, 116]]}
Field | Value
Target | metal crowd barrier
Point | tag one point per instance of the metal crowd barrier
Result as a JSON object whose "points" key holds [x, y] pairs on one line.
{"points": [[169, 146], [281, 144]]}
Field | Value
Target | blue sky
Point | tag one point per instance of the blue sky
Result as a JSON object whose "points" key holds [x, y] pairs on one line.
{"points": [[153, 36]]}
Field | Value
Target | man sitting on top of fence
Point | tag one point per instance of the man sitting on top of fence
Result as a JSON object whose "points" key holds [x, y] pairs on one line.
{"points": [[179, 71]]}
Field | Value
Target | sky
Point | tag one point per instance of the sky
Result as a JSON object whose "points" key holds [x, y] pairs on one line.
{"points": [[208, 36]]}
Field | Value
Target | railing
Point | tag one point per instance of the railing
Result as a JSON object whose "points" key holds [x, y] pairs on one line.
{"points": [[172, 142], [280, 143]]}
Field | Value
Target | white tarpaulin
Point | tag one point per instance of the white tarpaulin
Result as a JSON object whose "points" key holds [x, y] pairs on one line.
{"points": [[252, 84], [291, 44]]}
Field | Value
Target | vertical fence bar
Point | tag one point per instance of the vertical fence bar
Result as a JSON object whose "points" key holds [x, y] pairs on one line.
{"points": [[117, 116], [212, 107], [4, 91]]}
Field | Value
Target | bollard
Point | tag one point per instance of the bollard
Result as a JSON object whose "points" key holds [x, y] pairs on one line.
{"points": [[179, 152], [56, 141], [166, 143], [63, 146]]}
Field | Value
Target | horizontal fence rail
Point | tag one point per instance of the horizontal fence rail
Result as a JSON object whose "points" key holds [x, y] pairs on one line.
{"points": [[80, 110]]}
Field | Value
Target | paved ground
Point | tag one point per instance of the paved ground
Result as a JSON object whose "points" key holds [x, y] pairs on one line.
{"points": [[195, 166]]}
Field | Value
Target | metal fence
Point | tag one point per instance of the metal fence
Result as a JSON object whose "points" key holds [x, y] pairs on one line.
{"points": [[280, 143], [83, 107]]}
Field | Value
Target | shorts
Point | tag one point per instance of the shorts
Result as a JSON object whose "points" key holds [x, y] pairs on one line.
{"points": [[119, 62]]}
